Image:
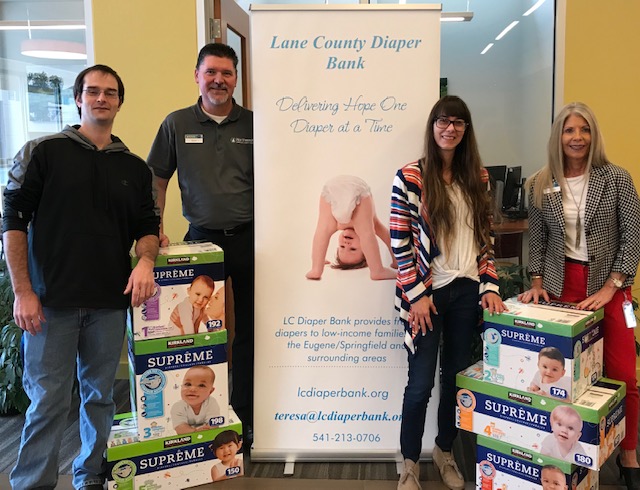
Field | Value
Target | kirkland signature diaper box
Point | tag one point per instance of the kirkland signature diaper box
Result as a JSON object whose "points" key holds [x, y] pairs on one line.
{"points": [[189, 293], [551, 349], [124, 430], [175, 462], [179, 386], [505, 466], [583, 433]]}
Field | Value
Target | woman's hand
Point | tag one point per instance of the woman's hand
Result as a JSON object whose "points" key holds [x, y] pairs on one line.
{"points": [[493, 302], [534, 294], [420, 315], [598, 299]]}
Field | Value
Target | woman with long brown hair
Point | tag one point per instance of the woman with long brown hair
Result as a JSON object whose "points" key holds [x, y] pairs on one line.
{"points": [[441, 238]]}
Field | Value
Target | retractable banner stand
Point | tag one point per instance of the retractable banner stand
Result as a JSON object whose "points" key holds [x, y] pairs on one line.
{"points": [[341, 96]]}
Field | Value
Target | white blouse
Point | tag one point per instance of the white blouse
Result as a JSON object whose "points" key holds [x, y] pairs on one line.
{"points": [[462, 260], [574, 201]]}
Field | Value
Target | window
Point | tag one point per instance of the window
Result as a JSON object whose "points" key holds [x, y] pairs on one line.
{"points": [[42, 49]]}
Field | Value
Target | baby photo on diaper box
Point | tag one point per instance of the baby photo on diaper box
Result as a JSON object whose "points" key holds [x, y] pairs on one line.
{"points": [[552, 351], [179, 392], [505, 466], [189, 294]]}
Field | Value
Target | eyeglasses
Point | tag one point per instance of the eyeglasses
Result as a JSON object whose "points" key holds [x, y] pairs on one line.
{"points": [[109, 93], [458, 124]]}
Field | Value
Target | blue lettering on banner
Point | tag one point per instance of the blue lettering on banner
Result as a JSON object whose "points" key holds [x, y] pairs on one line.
{"points": [[396, 45], [288, 43], [351, 44], [322, 42], [335, 63], [355, 44]]}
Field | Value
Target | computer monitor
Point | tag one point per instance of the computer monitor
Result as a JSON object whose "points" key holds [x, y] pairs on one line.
{"points": [[497, 172], [511, 188]]}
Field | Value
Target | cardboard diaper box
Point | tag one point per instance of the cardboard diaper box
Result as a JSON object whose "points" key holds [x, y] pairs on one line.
{"points": [[504, 466], [124, 430], [551, 349], [175, 462], [583, 433], [189, 293], [179, 386]]}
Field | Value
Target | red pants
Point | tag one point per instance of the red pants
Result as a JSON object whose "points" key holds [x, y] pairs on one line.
{"points": [[619, 344]]}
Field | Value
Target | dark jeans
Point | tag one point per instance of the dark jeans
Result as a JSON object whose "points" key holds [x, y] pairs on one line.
{"points": [[239, 265], [456, 323]]}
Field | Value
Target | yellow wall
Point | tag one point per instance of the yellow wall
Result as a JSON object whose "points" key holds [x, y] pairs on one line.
{"points": [[152, 45], [601, 69]]}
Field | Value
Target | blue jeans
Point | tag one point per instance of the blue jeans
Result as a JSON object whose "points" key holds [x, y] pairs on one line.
{"points": [[456, 323], [93, 339]]}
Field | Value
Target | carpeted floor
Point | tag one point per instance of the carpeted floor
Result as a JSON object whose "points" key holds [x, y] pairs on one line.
{"points": [[10, 428]]}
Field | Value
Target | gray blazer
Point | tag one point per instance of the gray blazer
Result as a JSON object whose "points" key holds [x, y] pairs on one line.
{"points": [[611, 224]]}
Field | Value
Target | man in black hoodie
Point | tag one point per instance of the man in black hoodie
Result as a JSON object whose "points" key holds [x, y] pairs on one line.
{"points": [[75, 203]]}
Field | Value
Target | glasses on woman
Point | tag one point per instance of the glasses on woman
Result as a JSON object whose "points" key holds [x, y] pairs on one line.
{"points": [[444, 122]]}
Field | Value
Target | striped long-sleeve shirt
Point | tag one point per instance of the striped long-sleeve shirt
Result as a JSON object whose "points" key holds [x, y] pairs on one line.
{"points": [[414, 247]]}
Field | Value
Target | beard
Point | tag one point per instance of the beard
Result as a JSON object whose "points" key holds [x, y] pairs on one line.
{"points": [[218, 97]]}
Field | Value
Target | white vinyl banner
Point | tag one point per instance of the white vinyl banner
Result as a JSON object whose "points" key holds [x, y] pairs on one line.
{"points": [[340, 98]]}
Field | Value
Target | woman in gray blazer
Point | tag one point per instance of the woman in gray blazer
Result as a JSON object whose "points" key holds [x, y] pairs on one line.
{"points": [[584, 223]]}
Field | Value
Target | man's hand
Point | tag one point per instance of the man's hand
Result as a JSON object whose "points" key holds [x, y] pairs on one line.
{"points": [[164, 240], [27, 309], [141, 284], [27, 312]]}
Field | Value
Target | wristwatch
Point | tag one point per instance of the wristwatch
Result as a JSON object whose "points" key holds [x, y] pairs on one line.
{"points": [[616, 282]]}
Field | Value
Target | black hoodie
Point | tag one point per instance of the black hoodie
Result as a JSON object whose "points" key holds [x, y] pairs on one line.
{"points": [[83, 209]]}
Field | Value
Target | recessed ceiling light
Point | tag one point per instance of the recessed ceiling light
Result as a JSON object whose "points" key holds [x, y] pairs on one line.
{"points": [[56, 50]]}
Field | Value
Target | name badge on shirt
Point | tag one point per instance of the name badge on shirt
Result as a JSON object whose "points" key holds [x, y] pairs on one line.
{"points": [[549, 190], [193, 138]]}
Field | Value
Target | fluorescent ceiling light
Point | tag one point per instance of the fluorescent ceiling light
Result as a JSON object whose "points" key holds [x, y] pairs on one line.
{"points": [[507, 29], [533, 8], [456, 16], [489, 46], [42, 25], [56, 50]]}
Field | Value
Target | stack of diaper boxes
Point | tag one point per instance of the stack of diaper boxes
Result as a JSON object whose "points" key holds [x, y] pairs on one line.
{"points": [[538, 399], [179, 379]]}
